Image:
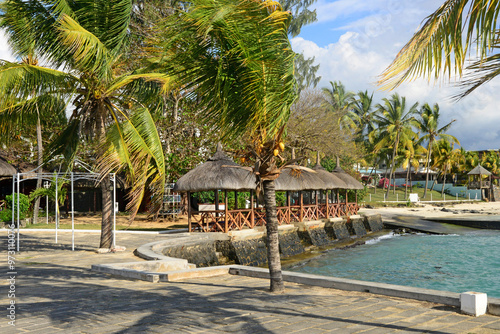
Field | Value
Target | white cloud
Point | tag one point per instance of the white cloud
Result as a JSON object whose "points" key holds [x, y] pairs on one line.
{"points": [[5, 53], [368, 46]]}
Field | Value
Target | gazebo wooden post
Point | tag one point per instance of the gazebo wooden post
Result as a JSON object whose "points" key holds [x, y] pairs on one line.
{"points": [[289, 208], [189, 210], [301, 215], [252, 212], [226, 216], [327, 205], [216, 202]]}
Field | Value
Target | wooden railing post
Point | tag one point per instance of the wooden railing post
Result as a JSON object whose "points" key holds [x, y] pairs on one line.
{"points": [[316, 192], [226, 216]]}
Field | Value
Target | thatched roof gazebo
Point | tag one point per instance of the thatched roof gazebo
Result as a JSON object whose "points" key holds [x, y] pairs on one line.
{"points": [[218, 172], [476, 180], [350, 181], [6, 169]]}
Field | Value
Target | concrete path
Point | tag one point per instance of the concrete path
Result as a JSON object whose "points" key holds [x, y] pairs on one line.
{"points": [[56, 293]]}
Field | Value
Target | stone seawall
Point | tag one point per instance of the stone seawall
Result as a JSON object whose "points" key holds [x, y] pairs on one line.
{"points": [[248, 247]]}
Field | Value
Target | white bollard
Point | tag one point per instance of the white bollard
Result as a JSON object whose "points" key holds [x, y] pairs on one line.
{"points": [[431, 197], [397, 197], [473, 303]]}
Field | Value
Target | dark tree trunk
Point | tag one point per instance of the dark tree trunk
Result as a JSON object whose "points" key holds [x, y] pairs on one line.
{"points": [[273, 252], [106, 223]]}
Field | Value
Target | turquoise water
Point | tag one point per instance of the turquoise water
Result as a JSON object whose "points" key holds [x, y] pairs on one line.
{"points": [[458, 263]]}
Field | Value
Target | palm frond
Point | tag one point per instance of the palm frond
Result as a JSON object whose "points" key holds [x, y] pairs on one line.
{"points": [[441, 45], [134, 145]]}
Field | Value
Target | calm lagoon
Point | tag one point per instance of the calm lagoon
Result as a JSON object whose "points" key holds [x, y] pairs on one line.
{"points": [[458, 263]]}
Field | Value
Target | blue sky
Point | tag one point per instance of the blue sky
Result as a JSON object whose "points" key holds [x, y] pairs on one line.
{"points": [[355, 40]]}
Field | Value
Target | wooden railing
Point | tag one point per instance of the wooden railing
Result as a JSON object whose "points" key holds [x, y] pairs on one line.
{"points": [[215, 220]]}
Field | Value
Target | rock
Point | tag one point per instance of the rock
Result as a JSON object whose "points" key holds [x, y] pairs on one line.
{"points": [[118, 249], [103, 250]]}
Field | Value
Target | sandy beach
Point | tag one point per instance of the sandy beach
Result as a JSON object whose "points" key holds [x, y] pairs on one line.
{"points": [[438, 210]]}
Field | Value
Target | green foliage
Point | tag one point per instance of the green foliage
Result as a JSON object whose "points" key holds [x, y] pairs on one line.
{"points": [[351, 194], [24, 204]]}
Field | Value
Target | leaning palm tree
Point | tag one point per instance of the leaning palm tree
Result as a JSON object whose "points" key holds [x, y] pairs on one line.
{"points": [[237, 60], [441, 45], [428, 123], [395, 123], [81, 44]]}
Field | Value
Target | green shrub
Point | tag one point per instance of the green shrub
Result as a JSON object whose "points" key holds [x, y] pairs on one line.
{"points": [[24, 205]]}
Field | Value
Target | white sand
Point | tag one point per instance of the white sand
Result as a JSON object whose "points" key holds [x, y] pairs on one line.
{"points": [[436, 210]]}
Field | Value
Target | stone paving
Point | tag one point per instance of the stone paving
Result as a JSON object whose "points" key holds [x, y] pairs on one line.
{"points": [[57, 293]]}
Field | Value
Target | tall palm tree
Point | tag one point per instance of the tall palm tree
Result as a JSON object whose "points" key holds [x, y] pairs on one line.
{"points": [[237, 59], [395, 122], [81, 43], [362, 114], [441, 45], [428, 123], [339, 100]]}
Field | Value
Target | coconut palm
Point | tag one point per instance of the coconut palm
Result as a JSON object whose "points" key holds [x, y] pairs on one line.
{"points": [[428, 123], [446, 158], [81, 44], [362, 114], [395, 122], [237, 59], [339, 100], [441, 45]]}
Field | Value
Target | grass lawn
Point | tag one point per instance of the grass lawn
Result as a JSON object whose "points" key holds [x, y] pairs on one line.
{"points": [[378, 197]]}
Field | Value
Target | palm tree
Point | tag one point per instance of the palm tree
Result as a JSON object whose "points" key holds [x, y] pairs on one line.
{"points": [[82, 43], [362, 114], [338, 100], [446, 158], [395, 123], [237, 58], [441, 45], [428, 123]]}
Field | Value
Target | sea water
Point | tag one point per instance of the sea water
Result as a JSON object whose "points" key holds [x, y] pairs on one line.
{"points": [[457, 263]]}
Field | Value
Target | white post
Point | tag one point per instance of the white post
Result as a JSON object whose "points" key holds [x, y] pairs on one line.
{"points": [[72, 216], [18, 223], [57, 210], [384, 197], [456, 196], [431, 197], [114, 211], [370, 197], [397, 197], [47, 208], [469, 195]]}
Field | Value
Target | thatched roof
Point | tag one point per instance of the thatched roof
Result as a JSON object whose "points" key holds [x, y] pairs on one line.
{"points": [[219, 172], [296, 178], [6, 169], [351, 182], [479, 170], [330, 180]]}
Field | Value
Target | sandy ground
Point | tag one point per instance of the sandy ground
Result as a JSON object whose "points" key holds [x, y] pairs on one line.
{"points": [[439, 210]]}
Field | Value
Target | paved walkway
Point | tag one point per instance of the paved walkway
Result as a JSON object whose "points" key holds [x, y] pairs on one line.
{"points": [[56, 293]]}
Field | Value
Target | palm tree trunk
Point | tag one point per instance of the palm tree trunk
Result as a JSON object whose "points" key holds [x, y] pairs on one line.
{"points": [[427, 167], [40, 161], [273, 254], [106, 223], [407, 178], [444, 182]]}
